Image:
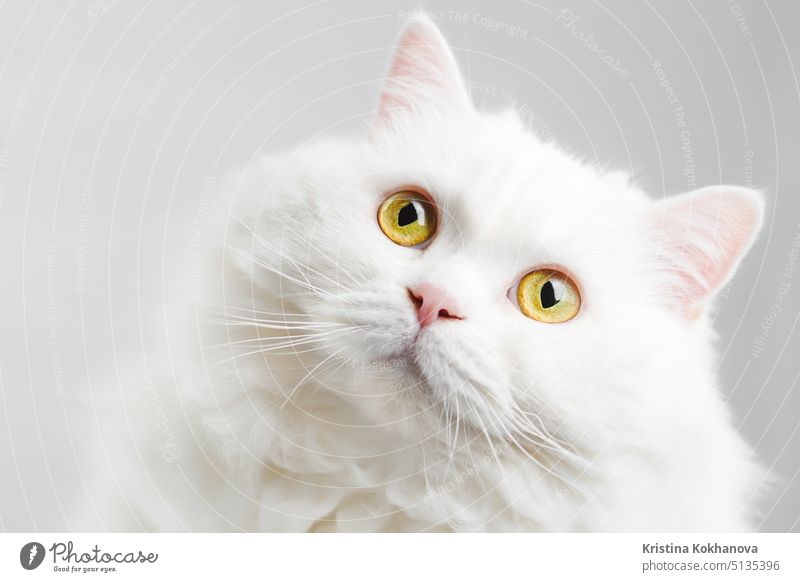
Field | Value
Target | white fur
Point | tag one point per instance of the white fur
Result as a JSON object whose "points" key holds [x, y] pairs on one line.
{"points": [[611, 421]]}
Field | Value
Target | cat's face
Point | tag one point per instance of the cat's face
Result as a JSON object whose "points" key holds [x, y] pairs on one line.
{"points": [[471, 274]]}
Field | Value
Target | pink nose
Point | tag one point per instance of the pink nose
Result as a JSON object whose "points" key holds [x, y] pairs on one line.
{"points": [[432, 303]]}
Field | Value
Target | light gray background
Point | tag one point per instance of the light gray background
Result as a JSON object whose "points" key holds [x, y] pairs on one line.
{"points": [[113, 115]]}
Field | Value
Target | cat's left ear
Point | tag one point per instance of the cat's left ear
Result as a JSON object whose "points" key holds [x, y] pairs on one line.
{"points": [[423, 74], [703, 236]]}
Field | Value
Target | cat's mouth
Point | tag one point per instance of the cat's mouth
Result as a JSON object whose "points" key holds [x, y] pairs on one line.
{"points": [[434, 355], [425, 344], [454, 370], [406, 360], [448, 368]]}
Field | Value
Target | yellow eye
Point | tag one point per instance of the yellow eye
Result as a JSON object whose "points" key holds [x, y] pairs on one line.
{"points": [[407, 218], [548, 296]]}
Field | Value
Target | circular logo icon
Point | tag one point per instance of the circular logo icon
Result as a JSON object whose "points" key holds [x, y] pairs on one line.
{"points": [[31, 555]]}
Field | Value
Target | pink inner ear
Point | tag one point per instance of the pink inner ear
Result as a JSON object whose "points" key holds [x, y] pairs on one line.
{"points": [[704, 236], [423, 72]]}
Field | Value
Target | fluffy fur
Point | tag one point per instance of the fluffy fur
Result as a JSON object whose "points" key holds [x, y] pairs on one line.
{"points": [[308, 399]]}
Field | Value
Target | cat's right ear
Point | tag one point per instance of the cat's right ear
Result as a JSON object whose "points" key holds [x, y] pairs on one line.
{"points": [[703, 236], [423, 74]]}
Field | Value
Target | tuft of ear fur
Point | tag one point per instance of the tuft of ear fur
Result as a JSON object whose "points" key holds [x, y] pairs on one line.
{"points": [[703, 236], [423, 74]]}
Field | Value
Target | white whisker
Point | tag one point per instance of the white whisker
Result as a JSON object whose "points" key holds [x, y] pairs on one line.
{"points": [[308, 375]]}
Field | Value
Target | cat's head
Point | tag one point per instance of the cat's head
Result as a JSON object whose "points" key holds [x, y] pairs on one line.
{"points": [[456, 270]]}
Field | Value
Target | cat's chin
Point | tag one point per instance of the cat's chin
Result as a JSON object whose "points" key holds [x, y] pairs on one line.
{"points": [[430, 375]]}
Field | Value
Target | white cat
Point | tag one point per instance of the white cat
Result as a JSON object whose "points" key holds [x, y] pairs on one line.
{"points": [[445, 324]]}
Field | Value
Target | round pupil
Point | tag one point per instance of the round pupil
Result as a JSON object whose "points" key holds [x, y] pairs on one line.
{"points": [[551, 294], [407, 215]]}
